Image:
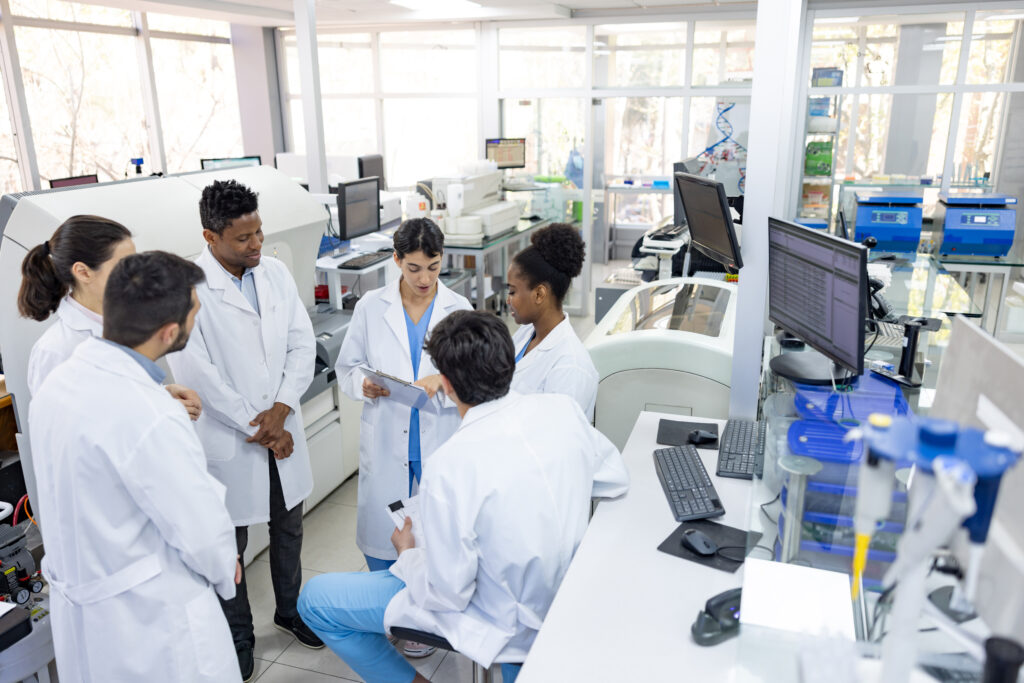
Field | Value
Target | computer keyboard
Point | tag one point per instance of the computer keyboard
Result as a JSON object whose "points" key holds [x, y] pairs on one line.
{"points": [[669, 232], [741, 449], [364, 260], [686, 483]]}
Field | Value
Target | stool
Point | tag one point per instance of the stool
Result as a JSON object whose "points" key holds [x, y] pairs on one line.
{"points": [[481, 674]]}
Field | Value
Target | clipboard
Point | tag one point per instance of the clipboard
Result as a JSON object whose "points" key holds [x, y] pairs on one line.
{"points": [[404, 392]]}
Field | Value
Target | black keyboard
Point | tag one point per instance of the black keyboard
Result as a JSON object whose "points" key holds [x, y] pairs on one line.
{"points": [[669, 232], [364, 260], [741, 449], [686, 483]]}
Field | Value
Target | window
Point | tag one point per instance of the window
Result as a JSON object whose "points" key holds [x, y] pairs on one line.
{"points": [[428, 61], [541, 57], [350, 127], [190, 25], [428, 137], [62, 10], [643, 135], [346, 64], [991, 46], [553, 128], [205, 123], [10, 177], [84, 100], [723, 52], [634, 55]]}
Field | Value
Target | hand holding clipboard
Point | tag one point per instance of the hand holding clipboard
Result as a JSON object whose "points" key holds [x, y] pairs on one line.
{"points": [[404, 392]]}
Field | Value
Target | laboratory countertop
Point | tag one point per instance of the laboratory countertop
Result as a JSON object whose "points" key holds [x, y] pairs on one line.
{"points": [[624, 609]]}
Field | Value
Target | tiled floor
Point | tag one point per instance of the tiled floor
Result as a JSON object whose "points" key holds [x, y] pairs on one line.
{"points": [[329, 545]]}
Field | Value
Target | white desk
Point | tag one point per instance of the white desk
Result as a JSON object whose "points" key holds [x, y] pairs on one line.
{"points": [[335, 276], [624, 609]]}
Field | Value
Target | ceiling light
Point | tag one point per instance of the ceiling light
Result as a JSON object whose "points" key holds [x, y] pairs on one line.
{"points": [[437, 5]]}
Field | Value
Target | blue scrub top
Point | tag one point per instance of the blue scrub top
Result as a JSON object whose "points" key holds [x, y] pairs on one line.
{"points": [[417, 333], [522, 351]]}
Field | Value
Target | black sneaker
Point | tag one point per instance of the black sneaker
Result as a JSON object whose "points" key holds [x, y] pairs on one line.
{"points": [[297, 627], [246, 662]]}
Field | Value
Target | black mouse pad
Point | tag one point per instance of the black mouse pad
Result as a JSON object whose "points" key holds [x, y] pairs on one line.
{"points": [[677, 433], [734, 540]]}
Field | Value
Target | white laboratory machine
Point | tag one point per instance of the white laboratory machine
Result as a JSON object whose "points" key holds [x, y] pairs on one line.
{"points": [[664, 346], [482, 213], [162, 213]]}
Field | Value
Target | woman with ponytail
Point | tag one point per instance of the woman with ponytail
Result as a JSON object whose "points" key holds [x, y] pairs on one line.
{"points": [[67, 275], [550, 358]]}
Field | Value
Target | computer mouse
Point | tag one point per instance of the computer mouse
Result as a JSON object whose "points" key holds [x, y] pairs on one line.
{"points": [[699, 437], [698, 542]]}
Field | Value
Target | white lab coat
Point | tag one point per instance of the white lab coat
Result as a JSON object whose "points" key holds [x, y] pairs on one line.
{"points": [[560, 364], [503, 507], [378, 338], [137, 536], [241, 363], [71, 327]]}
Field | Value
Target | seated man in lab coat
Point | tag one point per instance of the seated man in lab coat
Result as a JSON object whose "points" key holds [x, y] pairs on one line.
{"points": [[502, 509], [250, 360], [137, 536]]}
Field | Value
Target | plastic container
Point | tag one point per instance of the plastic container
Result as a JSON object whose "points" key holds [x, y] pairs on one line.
{"points": [[835, 504]]}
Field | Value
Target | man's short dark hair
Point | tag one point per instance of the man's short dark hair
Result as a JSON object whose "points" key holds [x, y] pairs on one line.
{"points": [[474, 350], [223, 201], [145, 292]]}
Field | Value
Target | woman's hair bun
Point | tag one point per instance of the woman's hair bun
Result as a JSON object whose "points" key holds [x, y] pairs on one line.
{"points": [[562, 247]]}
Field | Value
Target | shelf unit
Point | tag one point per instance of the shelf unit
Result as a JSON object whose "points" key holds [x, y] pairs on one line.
{"points": [[821, 127]]}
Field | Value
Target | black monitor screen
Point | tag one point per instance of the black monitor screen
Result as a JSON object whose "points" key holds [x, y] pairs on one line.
{"points": [[358, 208], [816, 285], [507, 152], [74, 180], [706, 210], [372, 165]]}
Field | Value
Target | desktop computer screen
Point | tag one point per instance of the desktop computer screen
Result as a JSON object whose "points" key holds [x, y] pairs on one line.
{"points": [[507, 152], [229, 162], [706, 210], [74, 180], [373, 165], [358, 208], [816, 286]]}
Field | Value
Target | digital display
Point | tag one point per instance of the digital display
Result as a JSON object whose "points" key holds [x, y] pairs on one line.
{"points": [[979, 219], [897, 217]]}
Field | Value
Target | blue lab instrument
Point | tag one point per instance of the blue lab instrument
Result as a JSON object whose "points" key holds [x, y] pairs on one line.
{"points": [[976, 224], [892, 219]]}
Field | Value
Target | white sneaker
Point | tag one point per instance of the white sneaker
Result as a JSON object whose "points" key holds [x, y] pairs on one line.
{"points": [[415, 650]]}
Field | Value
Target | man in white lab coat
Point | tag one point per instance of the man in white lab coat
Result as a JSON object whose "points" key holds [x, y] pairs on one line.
{"points": [[250, 359], [502, 509], [137, 536]]}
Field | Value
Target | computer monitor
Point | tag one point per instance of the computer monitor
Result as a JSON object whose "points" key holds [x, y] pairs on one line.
{"points": [[358, 207], [507, 152], [706, 209], [229, 162], [74, 180], [373, 165], [816, 286]]}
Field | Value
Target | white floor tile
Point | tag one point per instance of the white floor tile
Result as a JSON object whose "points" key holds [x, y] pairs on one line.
{"points": [[325, 661], [280, 673], [458, 669], [261, 667], [346, 494], [329, 543]]}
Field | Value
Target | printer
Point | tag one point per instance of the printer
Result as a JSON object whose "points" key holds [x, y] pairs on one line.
{"points": [[892, 218], [976, 224]]}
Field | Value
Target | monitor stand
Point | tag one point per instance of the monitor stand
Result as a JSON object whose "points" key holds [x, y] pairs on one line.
{"points": [[809, 367]]}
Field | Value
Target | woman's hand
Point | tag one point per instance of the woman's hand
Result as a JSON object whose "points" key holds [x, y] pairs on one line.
{"points": [[371, 390], [402, 538], [432, 384]]}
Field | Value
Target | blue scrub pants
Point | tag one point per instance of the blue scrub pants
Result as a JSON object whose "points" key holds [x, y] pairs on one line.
{"points": [[375, 564], [347, 612]]}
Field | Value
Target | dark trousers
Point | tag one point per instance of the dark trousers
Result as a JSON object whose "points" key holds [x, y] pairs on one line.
{"points": [[285, 564]]}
